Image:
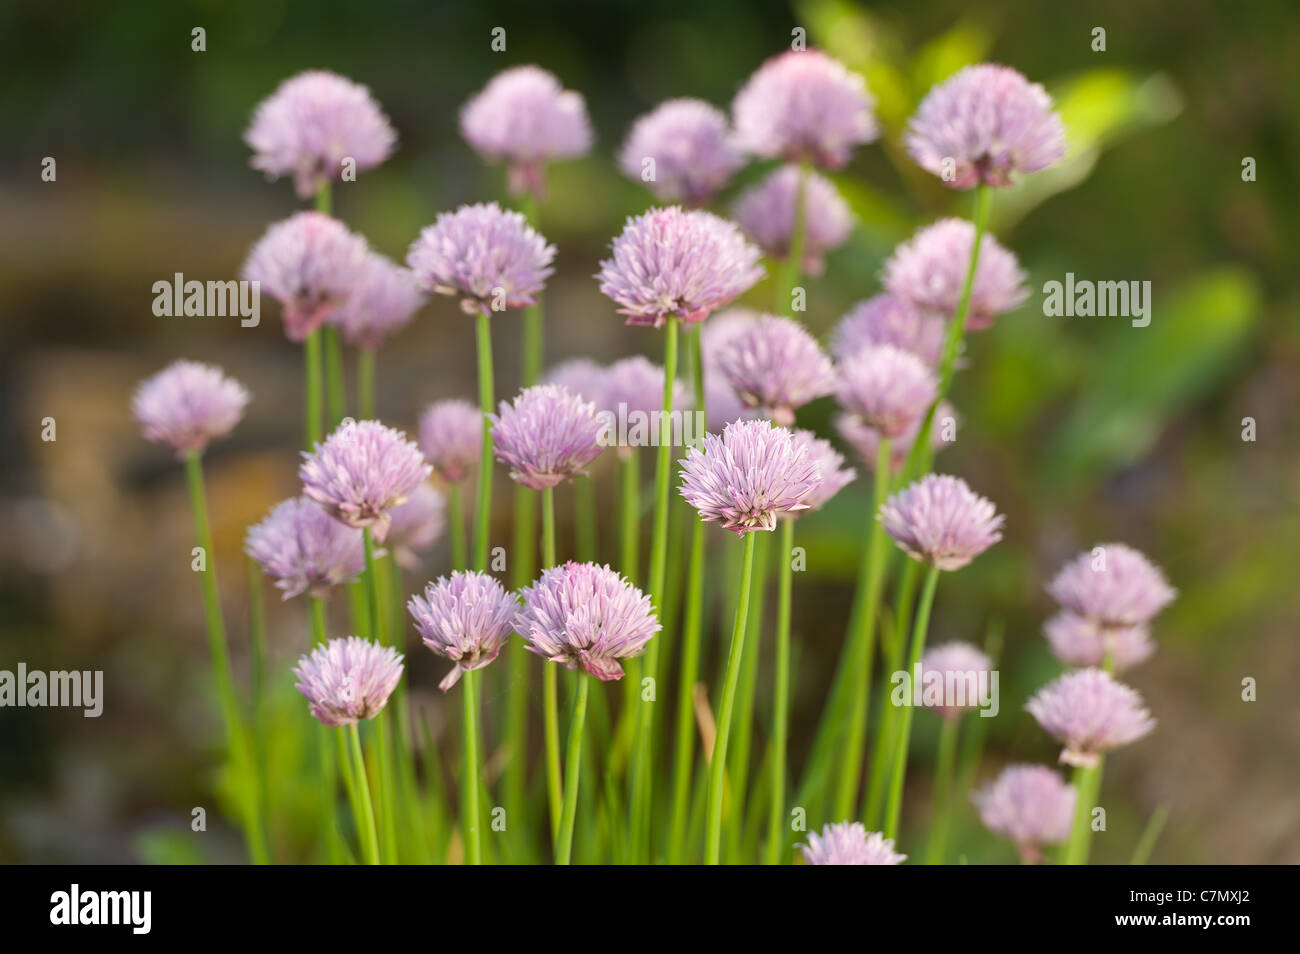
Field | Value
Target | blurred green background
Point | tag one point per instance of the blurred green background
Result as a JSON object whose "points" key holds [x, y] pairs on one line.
{"points": [[1082, 430]]}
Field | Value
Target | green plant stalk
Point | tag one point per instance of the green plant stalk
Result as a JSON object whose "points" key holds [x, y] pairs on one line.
{"points": [[469, 822], [409, 807], [781, 694], [882, 757], [384, 768], [972, 739], [518, 664], [792, 270], [456, 512], [1150, 835], [743, 722], [718, 765], [629, 516], [863, 641], [366, 383], [534, 330], [236, 734], [943, 791], [922, 623], [551, 687], [257, 654], [366, 817], [572, 770], [319, 637], [584, 518], [1087, 785], [483, 505], [335, 390], [312, 403]]}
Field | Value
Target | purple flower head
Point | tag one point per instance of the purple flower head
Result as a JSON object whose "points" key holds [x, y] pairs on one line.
{"points": [[941, 521], [961, 666], [1113, 585], [887, 388], [1030, 805], [547, 435], [416, 525], [490, 258], [672, 263], [724, 405], [361, 472], [586, 616], [847, 843], [581, 376], [311, 265], [1090, 713], [930, 270], [984, 123], [637, 383], [804, 105], [885, 319], [188, 404], [1078, 641], [865, 439], [312, 124], [767, 211], [830, 464], [383, 300], [525, 118], [720, 329], [304, 549], [776, 366], [749, 476], [691, 147], [348, 680], [465, 617], [451, 437]]}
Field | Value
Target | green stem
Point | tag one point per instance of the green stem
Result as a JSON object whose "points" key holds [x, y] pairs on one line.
{"points": [[551, 686], [943, 779], [483, 505], [335, 391], [1150, 834], [584, 517], [792, 270], [366, 383], [325, 198], [257, 647], [887, 731], [1087, 785], [718, 767], [534, 332], [548, 528], [312, 405], [629, 515], [319, 637], [366, 818], [781, 691], [743, 720], [862, 651], [469, 784], [378, 632], [572, 770], [895, 808], [456, 511]]}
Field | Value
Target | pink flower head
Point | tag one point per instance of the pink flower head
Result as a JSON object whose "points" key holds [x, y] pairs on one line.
{"points": [[636, 384], [887, 388], [304, 549], [865, 439], [984, 123], [581, 376], [830, 464], [847, 843], [672, 263], [960, 666], [804, 105], [767, 212], [416, 525], [1080, 642], [361, 472], [465, 617], [525, 118], [314, 123], [546, 436], [930, 270], [941, 521], [885, 319], [1091, 713], [723, 404], [720, 329], [1113, 585], [691, 148], [586, 616], [451, 437], [188, 404], [383, 300], [311, 265], [491, 258], [749, 476], [1030, 805], [776, 366], [348, 680]]}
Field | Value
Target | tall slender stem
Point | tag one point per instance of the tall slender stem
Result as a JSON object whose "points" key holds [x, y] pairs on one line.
{"points": [[335, 391], [456, 511], [742, 729], [366, 383], [882, 759], [781, 693], [793, 268], [941, 814], [257, 652], [1087, 785], [718, 766], [572, 770], [483, 505], [895, 809], [366, 818], [551, 685], [469, 822], [584, 517], [311, 375], [629, 516], [379, 633]]}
